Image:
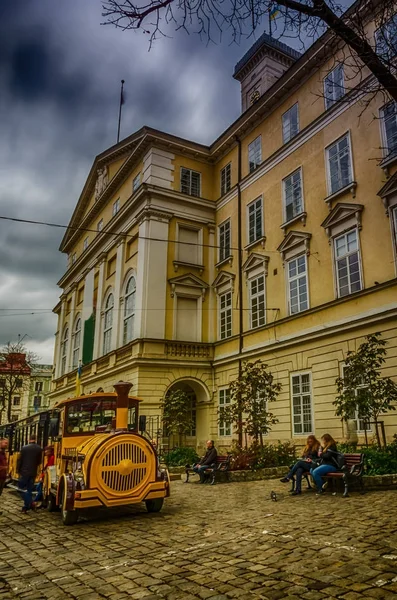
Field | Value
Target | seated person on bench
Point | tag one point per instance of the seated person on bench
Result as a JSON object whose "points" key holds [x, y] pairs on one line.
{"points": [[208, 459], [310, 454]]}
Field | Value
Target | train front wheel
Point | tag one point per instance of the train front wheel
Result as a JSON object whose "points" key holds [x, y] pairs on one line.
{"points": [[69, 517], [154, 505]]}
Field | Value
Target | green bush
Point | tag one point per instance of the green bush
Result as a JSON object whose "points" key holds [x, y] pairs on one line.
{"points": [[263, 457], [179, 457], [378, 461]]}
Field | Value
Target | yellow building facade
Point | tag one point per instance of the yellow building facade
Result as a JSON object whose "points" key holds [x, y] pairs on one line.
{"points": [[277, 242]]}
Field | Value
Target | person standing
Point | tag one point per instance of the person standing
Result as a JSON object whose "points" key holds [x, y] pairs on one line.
{"points": [[28, 463], [3, 464], [208, 459]]}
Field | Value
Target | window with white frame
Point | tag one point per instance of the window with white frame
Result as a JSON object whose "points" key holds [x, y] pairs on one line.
{"points": [[362, 425], [108, 324], [255, 221], [334, 86], [293, 196], [99, 226], [16, 401], [76, 343], [302, 416], [347, 263], [225, 315], [339, 164], [298, 296], [389, 128], [136, 182], [190, 182], [290, 120], [224, 240], [188, 323], [38, 386], [386, 39], [225, 428], [129, 310], [257, 301], [64, 350], [85, 244], [226, 178], [255, 153], [116, 207]]}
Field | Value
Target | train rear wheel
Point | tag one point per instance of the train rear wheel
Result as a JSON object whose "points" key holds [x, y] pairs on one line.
{"points": [[154, 505]]}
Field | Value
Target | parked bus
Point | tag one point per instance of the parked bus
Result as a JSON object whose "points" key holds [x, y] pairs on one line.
{"points": [[101, 460]]}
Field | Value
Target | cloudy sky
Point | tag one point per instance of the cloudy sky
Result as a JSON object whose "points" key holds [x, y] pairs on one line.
{"points": [[60, 73]]}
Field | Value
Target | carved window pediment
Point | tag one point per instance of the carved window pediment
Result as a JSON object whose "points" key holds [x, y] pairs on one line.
{"points": [[342, 218], [255, 264], [223, 282], [188, 283], [294, 243], [388, 193]]}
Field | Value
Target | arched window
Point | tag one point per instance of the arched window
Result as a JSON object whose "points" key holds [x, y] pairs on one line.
{"points": [[129, 310], [107, 324], [76, 343], [64, 350]]}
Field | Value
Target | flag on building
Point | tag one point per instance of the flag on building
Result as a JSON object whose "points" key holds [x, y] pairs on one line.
{"points": [[274, 12], [78, 380]]}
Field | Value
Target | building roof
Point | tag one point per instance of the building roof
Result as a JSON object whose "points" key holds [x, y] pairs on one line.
{"points": [[265, 40]]}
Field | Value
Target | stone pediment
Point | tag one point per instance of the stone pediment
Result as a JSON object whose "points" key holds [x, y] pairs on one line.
{"points": [[255, 261], [295, 242], [388, 192], [184, 283], [342, 217], [224, 279]]}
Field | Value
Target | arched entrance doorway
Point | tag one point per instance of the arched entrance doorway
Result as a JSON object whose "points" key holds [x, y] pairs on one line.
{"points": [[196, 410]]}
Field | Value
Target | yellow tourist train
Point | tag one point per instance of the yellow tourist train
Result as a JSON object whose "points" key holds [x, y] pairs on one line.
{"points": [[101, 459]]}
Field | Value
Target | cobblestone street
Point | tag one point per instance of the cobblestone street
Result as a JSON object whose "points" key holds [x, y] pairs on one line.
{"points": [[226, 541]]}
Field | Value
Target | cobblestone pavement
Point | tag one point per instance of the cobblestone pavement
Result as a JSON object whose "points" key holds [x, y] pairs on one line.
{"points": [[220, 542]]}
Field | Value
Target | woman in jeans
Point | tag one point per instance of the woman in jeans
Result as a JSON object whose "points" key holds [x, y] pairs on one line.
{"points": [[310, 453], [327, 462]]}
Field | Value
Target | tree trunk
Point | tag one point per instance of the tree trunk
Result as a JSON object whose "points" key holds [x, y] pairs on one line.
{"points": [[377, 432], [9, 408]]}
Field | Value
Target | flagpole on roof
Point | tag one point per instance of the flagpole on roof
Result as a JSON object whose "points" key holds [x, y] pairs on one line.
{"points": [[121, 104]]}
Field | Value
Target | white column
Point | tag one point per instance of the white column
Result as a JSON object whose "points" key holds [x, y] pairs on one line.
{"points": [[98, 315], [88, 305], [210, 297], [152, 276], [72, 317], [118, 284], [57, 353]]}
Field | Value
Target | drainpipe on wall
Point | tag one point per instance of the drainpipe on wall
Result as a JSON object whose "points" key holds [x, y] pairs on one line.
{"points": [[240, 274]]}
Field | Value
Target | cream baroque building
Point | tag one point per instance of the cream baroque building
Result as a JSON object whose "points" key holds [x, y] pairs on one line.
{"points": [[278, 241]]}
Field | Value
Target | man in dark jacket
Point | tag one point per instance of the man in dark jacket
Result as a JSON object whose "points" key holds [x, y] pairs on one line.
{"points": [[28, 463], [208, 459]]}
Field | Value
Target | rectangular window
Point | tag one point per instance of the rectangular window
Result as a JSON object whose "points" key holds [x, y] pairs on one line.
{"points": [[73, 258], [224, 240], [136, 182], [257, 301], [361, 424], [85, 244], [334, 86], [18, 383], [386, 39], [339, 164], [298, 298], [116, 207], [226, 178], [255, 153], [38, 386], [99, 226], [255, 221], [37, 401], [302, 404], [347, 263], [186, 319], [290, 121], [189, 247], [16, 401], [190, 182], [293, 197], [389, 128], [225, 315], [224, 402]]}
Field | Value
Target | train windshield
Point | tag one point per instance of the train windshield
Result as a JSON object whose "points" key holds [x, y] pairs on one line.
{"points": [[90, 414]]}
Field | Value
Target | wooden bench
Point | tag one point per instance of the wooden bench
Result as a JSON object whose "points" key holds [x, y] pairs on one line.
{"points": [[353, 468], [214, 471]]}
